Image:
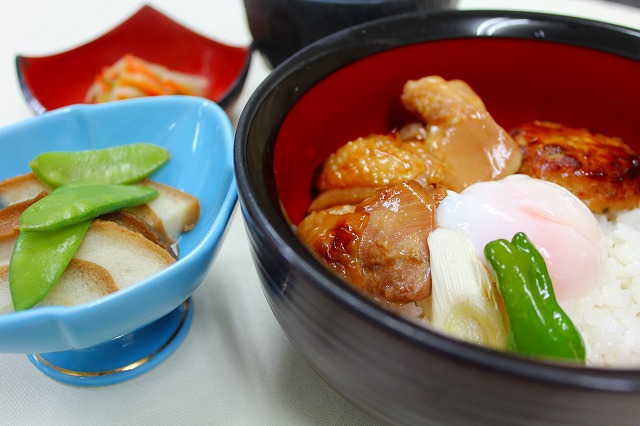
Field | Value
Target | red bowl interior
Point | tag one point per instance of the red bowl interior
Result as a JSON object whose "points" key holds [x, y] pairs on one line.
{"points": [[63, 79], [519, 80]]}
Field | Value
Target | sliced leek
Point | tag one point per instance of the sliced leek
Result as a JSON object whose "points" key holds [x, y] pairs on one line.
{"points": [[464, 300]]}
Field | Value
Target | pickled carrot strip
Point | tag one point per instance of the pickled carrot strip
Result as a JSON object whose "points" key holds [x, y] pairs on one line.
{"points": [[131, 76]]}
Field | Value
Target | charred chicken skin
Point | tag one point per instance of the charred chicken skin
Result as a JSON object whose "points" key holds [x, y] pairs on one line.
{"points": [[379, 245], [362, 166]]}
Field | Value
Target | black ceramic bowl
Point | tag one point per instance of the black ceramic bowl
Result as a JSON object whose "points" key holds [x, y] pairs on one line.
{"points": [[524, 66], [282, 27]]}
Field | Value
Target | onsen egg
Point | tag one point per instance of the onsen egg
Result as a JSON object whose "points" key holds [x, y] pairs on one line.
{"points": [[562, 227]]}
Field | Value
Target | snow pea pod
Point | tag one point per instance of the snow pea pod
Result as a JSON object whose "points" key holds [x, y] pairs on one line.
{"points": [[115, 165], [537, 324], [78, 202], [39, 259]]}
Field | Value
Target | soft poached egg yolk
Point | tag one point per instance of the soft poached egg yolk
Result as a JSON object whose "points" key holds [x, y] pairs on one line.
{"points": [[562, 227]]}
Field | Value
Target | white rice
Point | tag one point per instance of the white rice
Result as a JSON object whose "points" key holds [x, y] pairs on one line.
{"points": [[609, 318]]}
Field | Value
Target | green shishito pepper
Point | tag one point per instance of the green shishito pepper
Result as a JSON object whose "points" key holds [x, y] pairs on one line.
{"points": [[537, 324]]}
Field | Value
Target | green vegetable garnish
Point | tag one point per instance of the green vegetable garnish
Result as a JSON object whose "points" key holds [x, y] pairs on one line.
{"points": [[87, 184], [537, 324], [120, 164], [66, 206], [39, 259]]}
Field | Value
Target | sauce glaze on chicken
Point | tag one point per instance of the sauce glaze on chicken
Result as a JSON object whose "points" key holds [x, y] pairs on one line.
{"points": [[377, 195], [602, 171]]}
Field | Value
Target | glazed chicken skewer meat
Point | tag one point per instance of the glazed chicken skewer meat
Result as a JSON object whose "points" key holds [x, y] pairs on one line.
{"points": [[461, 134], [378, 194]]}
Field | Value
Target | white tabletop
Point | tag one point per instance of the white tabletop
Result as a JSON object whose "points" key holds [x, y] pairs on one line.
{"points": [[236, 366]]}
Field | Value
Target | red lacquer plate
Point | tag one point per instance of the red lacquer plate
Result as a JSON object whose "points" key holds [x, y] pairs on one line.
{"points": [[51, 82]]}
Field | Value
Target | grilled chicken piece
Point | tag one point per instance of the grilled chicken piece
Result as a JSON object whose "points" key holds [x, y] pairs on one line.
{"points": [[373, 161], [394, 254], [602, 171], [341, 196], [335, 237], [380, 245], [461, 134], [360, 167]]}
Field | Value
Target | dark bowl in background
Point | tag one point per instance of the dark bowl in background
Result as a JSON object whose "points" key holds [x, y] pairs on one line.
{"points": [[282, 27], [524, 66]]}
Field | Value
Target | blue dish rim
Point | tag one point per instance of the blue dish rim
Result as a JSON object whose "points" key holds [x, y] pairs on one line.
{"points": [[207, 246]]}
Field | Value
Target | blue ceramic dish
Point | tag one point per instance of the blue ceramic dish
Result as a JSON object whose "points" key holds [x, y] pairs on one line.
{"points": [[199, 136]]}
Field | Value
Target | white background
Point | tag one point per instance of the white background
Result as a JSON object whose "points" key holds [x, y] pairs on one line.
{"points": [[235, 366]]}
